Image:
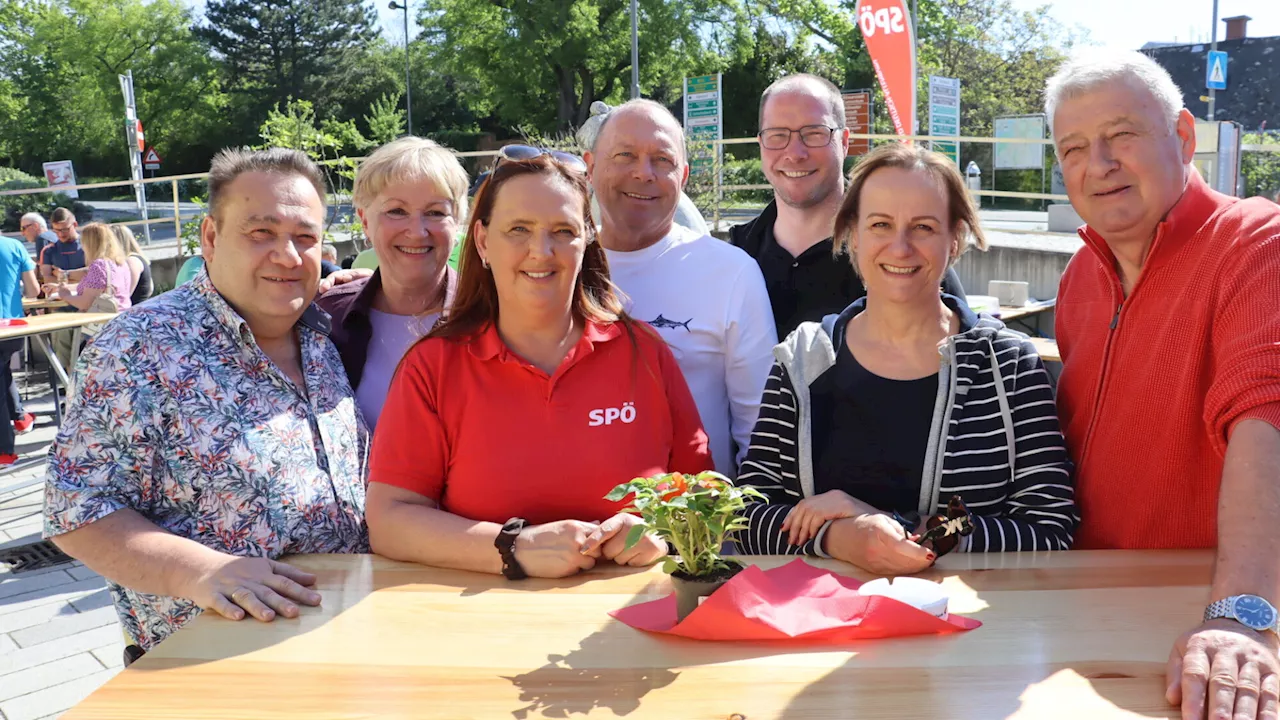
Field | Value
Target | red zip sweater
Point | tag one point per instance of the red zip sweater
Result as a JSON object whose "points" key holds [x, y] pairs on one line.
{"points": [[1153, 383]]}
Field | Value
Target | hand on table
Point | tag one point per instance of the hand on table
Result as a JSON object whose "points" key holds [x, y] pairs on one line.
{"points": [[610, 540], [1223, 669], [262, 587], [878, 543], [806, 518], [49, 290], [554, 550], [342, 277]]}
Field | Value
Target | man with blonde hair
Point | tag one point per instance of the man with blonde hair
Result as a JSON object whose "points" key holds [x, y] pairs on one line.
{"points": [[1169, 325], [705, 297]]}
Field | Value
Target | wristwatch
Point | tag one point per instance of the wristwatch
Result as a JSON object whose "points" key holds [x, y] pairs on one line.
{"points": [[506, 544], [1249, 610]]}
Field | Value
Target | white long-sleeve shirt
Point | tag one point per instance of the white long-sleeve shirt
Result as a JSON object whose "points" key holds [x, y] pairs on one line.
{"points": [[708, 300]]}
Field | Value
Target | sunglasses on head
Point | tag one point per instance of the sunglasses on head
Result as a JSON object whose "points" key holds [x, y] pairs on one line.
{"points": [[528, 152], [943, 532]]}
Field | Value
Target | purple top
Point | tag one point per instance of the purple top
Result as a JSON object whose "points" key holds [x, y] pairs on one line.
{"points": [[393, 335], [95, 278]]}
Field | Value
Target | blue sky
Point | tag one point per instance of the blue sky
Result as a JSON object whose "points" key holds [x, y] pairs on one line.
{"points": [[1129, 24]]}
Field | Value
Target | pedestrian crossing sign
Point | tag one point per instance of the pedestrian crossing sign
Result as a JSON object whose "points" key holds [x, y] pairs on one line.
{"points": [[1216, 71]]}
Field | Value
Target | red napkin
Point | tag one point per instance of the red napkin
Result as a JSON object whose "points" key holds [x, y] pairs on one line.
{"points": [[796, 601], [12, 322]]}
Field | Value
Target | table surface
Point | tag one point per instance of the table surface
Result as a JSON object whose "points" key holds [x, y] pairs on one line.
{"points": [[39, 324], [1047, 348], [43, 303], [1065, 635], [1013, 312]]}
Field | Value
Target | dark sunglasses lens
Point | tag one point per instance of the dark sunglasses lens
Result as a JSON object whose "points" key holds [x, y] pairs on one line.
{"points": [[569, 159], [941, 544], [520, 152]]}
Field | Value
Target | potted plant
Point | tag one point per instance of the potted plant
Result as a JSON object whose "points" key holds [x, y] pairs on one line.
{"points": [[694, 515]]}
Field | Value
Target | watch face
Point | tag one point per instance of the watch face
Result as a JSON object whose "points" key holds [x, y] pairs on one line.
{"points": [[1255, 612]]}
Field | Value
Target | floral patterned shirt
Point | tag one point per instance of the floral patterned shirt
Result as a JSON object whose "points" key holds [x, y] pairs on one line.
{"points": [[180, 416]]}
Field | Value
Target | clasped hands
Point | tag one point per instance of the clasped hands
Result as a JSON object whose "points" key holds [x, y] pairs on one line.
{"points": [[861, 534]]}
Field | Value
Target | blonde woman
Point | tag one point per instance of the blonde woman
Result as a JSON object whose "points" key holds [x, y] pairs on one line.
{"points": [[106, 268], [411, 196], [141, 286]]}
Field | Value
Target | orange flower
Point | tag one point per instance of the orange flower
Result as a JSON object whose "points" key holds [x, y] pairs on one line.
{"points": [[674, 486]]}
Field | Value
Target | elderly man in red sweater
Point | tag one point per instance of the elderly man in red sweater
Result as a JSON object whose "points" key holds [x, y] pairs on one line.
{"points": [[1169, 325]]}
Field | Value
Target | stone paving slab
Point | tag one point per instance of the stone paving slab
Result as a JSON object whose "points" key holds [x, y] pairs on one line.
{"points": [[59, 636]]}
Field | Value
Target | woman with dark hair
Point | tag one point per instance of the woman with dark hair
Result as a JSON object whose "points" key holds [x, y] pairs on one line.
{"points": [[505, 428], [907, 412]]}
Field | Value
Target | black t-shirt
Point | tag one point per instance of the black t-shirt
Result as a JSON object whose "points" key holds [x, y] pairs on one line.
{"points": [[870, 434]]}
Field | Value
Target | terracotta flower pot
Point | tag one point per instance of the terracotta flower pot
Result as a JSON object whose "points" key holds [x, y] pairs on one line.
{"points": [[689, 590]]}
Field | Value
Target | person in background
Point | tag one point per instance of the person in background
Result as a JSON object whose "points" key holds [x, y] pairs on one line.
{"points": [[108, 270], [17, 280], [139, 266], [1168, 321], [328, 260], [874, 419], [705, 297], [140, 283], [803, 143], [37, 232], [213, 429], [410, 195], [509, 424], [65, 255]]}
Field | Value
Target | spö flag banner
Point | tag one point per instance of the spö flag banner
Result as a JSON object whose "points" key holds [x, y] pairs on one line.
{"points": [[891, 41]]}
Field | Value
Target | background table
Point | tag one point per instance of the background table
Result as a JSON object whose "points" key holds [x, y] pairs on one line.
{"points": [[1066, 635], [29, 304], [38, 326], [1047, 348]]}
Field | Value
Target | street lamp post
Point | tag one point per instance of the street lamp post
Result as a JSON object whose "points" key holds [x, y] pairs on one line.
{"points": [[1213, 47], [635, 52], [408, 91]]}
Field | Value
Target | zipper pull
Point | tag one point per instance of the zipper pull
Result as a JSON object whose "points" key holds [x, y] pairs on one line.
{"points": [[1116, 319]]}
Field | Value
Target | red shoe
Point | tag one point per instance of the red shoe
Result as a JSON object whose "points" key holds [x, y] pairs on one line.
{"points": [[6, 460], [24, 424]]}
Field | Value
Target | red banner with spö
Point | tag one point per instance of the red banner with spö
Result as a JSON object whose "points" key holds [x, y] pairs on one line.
{"points": [[891, 42]]}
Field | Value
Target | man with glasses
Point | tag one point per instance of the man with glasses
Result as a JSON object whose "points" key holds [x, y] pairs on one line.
{"points": [[65, 255], [803, 144], [36, 231]]}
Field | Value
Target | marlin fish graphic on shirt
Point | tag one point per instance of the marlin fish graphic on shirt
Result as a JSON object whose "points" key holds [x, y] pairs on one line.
{"points": [[665, 324]]}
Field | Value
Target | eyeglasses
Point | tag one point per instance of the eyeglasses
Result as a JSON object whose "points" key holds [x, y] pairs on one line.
{"points": [[943, 532], [68, 227], [814, 136], [528, 152], [24, 227]]}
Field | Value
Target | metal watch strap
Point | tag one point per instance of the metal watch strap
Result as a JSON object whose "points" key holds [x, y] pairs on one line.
{"points": [[506, 544], [1225, 608]]}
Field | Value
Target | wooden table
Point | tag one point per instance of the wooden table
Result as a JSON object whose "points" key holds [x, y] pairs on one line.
{"points": [[39, 326], [1015, 312], [1066, 635], [29, 304], [1047, 348]]}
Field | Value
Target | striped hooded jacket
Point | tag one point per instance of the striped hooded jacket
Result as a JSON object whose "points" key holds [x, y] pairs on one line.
{"points": [[994, 441]]}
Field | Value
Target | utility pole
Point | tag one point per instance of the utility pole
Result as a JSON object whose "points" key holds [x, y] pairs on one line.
{"points": [[132, 131], [1213, 47], [635, 51], [408, 89]]}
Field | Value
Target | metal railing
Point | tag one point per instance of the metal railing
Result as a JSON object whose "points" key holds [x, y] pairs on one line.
{"points": [[716, 189]]}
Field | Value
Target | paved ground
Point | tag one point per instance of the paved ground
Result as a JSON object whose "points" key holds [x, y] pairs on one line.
{"points": [[59, 638]]}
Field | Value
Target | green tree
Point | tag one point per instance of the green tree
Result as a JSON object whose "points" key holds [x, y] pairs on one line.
{"points": [[543, 63], [385, 119], [59, 93], [287, 48]]}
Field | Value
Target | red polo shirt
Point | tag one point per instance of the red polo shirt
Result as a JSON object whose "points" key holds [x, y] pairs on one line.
{"points": [[1153, 383], [490, 437]]}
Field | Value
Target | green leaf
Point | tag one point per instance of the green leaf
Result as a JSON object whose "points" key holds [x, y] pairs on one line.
{"points": [[618, 493], [669, 565], [633, 537]]}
